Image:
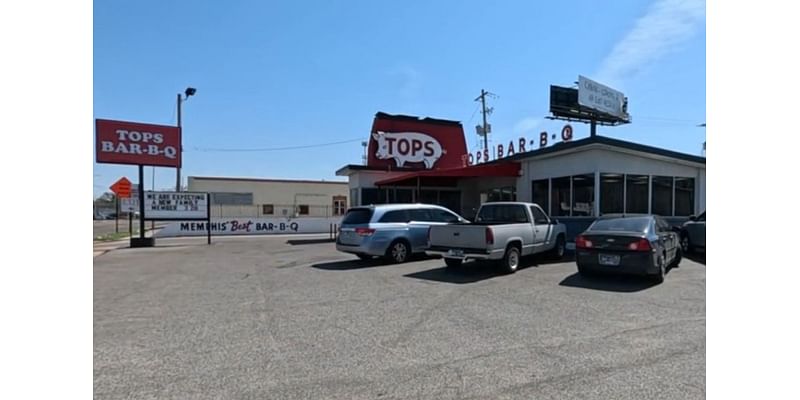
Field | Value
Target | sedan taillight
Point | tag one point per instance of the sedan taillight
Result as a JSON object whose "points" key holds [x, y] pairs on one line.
{"points": [[583, 243], [640, 245]]}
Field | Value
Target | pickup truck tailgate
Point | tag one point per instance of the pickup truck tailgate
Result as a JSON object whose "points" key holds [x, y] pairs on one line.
{"points": [[457, 236]]}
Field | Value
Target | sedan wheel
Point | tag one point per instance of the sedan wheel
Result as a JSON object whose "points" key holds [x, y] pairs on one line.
{"points": [[662, 270], [686, 244]]}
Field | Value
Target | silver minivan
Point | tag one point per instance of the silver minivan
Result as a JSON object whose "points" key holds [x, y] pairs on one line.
{"points": [[392, 231]]}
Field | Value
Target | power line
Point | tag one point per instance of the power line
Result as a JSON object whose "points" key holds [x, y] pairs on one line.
{"points": [[210, 149]]}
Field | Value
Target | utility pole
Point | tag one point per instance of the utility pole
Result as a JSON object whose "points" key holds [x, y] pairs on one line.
{"points": [[484, 111], [178, 177]]}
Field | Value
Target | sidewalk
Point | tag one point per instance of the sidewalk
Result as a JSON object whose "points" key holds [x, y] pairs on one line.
{"points": [[101, 248]]}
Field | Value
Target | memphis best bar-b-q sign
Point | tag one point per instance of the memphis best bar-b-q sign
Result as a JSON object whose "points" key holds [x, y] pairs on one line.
{"points": [[122, 142]]}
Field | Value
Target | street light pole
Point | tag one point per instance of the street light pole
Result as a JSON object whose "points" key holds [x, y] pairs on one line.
{"points": [[178, 178]]}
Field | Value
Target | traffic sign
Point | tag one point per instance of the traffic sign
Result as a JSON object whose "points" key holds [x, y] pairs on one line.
{"points": [[122, 188]]}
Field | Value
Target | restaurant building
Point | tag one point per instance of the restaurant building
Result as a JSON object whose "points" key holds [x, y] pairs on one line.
{"points": [[425, 160]]}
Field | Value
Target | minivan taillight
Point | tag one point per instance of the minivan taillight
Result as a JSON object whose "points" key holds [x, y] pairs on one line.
{"points": [[489, 236], [583, 243], [640, 245], [365, 231]]}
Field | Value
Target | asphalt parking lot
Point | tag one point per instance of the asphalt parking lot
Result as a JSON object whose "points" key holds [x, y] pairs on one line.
{"points": [[283, 318]]}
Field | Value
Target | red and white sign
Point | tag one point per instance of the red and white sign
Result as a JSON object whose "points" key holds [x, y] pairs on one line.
{"points": [[122, 142], [401, 141], [406, 147]]}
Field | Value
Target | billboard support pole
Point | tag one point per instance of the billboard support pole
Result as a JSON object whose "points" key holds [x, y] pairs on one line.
{"points": [[593, 131], [116, 216]]}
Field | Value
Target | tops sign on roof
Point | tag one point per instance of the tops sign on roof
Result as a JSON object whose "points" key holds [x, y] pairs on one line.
{"points": [[400, 141]]}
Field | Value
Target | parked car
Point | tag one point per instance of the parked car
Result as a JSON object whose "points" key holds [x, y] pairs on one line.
{"points": [[392, 231], [502, 231], [693, 234], [630, 244]]}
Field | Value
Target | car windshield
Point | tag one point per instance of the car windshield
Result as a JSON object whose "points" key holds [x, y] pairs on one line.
{"points": [[636, 224]]}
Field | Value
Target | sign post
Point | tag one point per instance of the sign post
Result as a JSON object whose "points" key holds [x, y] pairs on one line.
{"points": [[122, 190], [208, 216]]}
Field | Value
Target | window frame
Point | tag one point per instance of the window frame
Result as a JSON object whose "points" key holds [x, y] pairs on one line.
{"points": [[264, 208]]}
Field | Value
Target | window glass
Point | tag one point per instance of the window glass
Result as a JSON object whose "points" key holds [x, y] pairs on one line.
{"points": [[559, 199], [232, 199], [357, 216], [636, 199], [583, 195], [420, 214], [612, 187], [684, 196], [395, 216], [540, 194], [302, 209], [662, 195], [442, 216], [403, 196], [267, 209], [539, 217], [428, 197], [373, 196], [450, 199], [502, 213], [635, 224]]}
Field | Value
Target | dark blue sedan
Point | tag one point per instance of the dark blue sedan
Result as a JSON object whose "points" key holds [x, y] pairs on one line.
{"points": [[628, 244]]}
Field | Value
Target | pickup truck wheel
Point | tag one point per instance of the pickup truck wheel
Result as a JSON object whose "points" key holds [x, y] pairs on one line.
{"points": [[511, 260], [452, 262], [560, 248], [686, 243]]}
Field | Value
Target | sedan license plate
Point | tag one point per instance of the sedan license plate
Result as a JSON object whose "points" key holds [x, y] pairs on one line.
{"points": [[609, 259], [455, 252]]}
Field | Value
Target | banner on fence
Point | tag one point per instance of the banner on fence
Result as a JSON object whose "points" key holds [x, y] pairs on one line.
{"points": [[249, 226]]}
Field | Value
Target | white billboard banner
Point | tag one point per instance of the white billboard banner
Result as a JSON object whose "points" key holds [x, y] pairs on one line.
{"points": [[249, 226], [175, 205], [600, 97]]}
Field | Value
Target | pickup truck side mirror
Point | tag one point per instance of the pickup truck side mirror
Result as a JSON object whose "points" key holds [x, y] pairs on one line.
{"points": [[554, 221]]}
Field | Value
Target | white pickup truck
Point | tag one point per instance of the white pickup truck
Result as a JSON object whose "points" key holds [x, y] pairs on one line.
{"points": [[502, 231]]}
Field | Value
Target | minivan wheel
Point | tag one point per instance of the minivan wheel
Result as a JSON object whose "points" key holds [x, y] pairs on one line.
{"points": [[511, 260], [398, 252]]}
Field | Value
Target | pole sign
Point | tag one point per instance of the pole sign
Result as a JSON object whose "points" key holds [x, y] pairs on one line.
{"points": [[122, 142], [176, 206], [129, 204], [122, 188]]}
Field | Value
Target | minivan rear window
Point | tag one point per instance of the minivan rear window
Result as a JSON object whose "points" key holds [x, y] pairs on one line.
{"points": [[357, 216]]}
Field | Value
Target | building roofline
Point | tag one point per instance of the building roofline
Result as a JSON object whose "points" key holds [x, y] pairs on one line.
{"points": [[603, 140], [244, 179], [411, 118]]}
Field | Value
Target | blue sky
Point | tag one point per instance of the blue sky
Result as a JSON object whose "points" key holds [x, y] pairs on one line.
{"points": [[292, 73]]}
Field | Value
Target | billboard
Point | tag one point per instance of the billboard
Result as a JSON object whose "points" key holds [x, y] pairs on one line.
{"points": [[564, 105], [175, 205], [249, 226], [122, 142], [601, 98], [401, 141]]}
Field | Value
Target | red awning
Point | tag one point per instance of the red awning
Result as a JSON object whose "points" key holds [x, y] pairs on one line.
{"points": [[504, 169]]}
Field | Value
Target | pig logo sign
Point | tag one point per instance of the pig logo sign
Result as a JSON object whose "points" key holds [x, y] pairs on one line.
{"points": [[406, 147]]}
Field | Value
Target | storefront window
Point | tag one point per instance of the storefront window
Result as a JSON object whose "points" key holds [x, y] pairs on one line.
{"points": [[451, 200], [636, 199], [428, 197], [559, 199], [662, 196], [508, 193], [583, 195], [684, 197], [403, 196], [612, 192], [373, 196], [540, 193]]}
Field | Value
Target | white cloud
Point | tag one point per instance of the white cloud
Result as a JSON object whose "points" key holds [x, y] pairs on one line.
{"points": [[665, 26], [527, 125]]}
